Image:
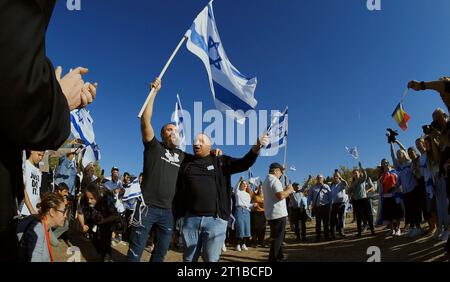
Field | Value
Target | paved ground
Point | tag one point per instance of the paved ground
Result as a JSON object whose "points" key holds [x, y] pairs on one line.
{"points": [[422, 248]]}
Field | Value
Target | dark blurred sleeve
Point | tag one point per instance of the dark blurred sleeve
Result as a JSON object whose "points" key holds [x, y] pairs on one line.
{"points": [[34, 113]]}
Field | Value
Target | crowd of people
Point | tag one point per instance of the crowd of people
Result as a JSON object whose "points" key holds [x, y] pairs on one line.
{"points": [[190, 194]]}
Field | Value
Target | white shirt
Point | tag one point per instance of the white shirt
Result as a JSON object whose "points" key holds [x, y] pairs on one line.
{"points": [[243, 199], [273, 207], [32, 177]]}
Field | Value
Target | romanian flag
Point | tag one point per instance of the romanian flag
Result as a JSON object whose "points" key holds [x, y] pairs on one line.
{"points": [[401, 117]]}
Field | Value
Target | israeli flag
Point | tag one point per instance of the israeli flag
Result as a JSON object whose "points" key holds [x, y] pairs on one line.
{"points": [[292, 168], [91, 154], [179, 122], [353, 152], [81, 126], [231, 90], [278, 132]]}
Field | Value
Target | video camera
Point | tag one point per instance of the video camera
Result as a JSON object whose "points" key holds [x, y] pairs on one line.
{"points": [[391, 135]]}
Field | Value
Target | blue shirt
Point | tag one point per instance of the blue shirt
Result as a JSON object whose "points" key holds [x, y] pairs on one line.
{"points": [[319, 195], [338, 194], [406, 177], [66, 172], [298, 201]]}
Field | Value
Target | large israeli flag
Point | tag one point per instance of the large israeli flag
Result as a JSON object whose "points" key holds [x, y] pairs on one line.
{"points": [[353, 151], [91, 154], [278, 132], [231, 90], [179, 122], [81, 126]]}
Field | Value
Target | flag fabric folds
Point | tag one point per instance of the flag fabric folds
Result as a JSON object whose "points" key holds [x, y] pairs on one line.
{"points": [[179, 122], [401, 117], [231, 89], [353, 152], [278, 132]]}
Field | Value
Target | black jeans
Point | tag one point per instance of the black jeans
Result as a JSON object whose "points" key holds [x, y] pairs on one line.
{"points": [[102, 239], [299, 217], [362, 208], [412, 208], [258, 227], [322, 214], [337, 218], [277, 230]]}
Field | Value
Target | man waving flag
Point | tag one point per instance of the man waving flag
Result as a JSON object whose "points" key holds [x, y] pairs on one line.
{"points": [[231, 90]]}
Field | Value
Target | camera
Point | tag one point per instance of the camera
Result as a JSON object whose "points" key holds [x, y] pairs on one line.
{"points": [[391, 135], [434, 126]]}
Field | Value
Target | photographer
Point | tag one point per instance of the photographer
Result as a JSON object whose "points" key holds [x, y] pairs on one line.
{"points": [[409, 187], [98, 217]]}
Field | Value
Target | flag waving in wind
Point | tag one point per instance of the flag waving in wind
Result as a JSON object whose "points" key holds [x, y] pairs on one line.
{"points": [[278, 132], [353, 152], [231, 90], [401, 117], [179, 122], [81, 127]]}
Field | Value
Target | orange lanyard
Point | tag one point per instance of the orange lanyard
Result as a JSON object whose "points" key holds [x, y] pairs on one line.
{"points": [[47, 237]]}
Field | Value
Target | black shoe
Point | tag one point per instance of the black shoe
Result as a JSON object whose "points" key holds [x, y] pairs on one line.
{"points": [[282, 258], [372, 233]]}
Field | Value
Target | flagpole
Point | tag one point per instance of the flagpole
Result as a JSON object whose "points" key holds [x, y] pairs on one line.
{"points": [[152, 91]]}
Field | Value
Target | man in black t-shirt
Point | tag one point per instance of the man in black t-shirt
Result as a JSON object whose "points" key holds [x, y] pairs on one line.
{"points": [[161, 164]]}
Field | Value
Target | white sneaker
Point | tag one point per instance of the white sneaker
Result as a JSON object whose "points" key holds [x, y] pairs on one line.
{"points": [[444, 235], [398, 233], [152, 246], [224, 248], [393, 232], [238, 248], [244, 247]]}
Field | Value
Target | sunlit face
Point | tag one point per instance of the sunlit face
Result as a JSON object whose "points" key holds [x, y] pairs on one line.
{"points": [[319, 179], [336, 178], [36, 157], [202, 145], [243, 185], [385, 164], [439, 117], [58, 215], [64, 194], [90, 170], [356, 174], [115, 175], [277, 173], [420, 145], [90, 199], [169, 135], [401, 156], [126, 179], [412, 154]]}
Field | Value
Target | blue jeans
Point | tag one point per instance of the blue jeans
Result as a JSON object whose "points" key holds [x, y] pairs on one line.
{"points": [[163, 219], [203, 235]]}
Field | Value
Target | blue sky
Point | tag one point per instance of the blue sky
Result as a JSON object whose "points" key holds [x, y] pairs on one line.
{"points": [[340, 68]]}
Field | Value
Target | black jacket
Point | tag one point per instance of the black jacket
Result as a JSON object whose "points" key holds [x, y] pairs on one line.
{"points": [[224, 166], [34, 114]]}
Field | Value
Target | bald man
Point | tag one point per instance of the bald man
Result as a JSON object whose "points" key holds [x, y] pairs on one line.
{"points": [[203, 197]]}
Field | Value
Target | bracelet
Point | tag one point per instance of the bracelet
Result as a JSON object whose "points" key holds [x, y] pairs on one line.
{"points": [[422, 85]]}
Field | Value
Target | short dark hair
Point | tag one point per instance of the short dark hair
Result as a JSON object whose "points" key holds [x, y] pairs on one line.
{"points": [[126, 174], [114, 168], [166, 125], [62, 187]]}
